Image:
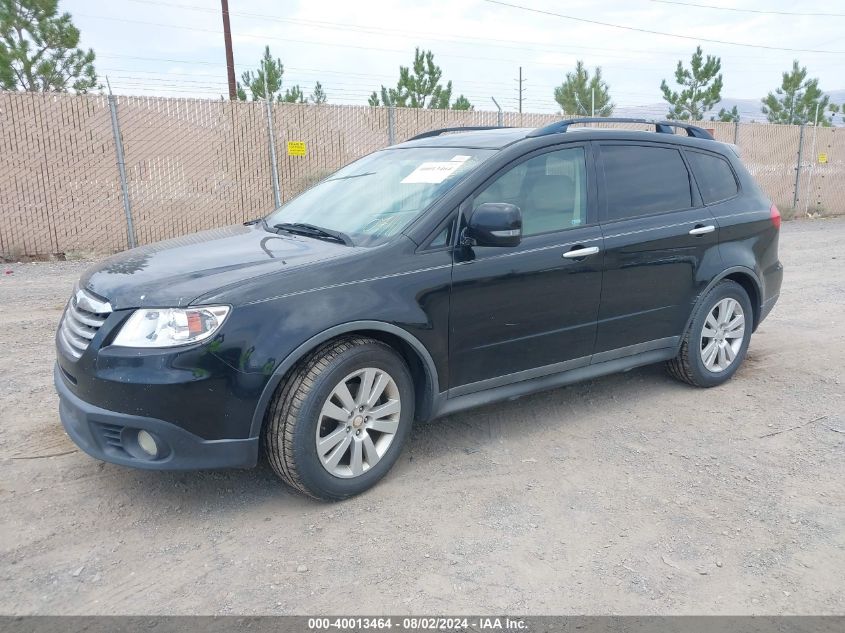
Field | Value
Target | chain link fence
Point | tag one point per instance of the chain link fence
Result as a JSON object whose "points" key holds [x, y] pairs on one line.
{"points": [[195, 164], [59, 188]]}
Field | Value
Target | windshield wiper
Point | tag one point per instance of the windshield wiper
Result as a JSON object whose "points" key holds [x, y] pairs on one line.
{"points": [[300, 228], [367, 173]]}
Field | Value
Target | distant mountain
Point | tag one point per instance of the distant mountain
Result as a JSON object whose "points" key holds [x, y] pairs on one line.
{"points": [[749, 109]]}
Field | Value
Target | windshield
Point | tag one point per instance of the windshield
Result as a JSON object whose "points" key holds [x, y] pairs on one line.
{"points": [[379, 195]]}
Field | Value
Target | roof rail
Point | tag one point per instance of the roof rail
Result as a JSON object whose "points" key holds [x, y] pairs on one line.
{"points": [[661, 127], [444, 130], [691, 130]]}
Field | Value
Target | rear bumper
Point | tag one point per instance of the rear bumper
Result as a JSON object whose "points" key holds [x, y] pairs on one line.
{"points": [[773, 279], [112, 437], [767, 307]]}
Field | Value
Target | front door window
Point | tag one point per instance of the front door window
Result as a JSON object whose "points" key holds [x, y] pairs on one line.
{"points": [[550, 190]]}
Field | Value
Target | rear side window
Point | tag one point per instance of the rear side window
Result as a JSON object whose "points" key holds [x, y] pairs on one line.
{"points": [[714, 176], [642, 180]]}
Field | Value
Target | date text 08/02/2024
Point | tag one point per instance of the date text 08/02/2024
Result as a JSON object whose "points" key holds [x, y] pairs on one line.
{"points": [[418, 623]]}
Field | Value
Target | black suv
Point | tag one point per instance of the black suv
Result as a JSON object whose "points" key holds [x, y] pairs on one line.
{"points": [[453, 270]]}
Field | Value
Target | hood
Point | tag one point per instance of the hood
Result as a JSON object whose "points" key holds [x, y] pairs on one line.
{"points": [[175, 272]]}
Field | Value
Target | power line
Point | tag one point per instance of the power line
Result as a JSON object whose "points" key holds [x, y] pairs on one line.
{"points": [[482, 85], [316, 76], [663, 33], [460, 39], [348, 89], [763, 11], [343, 26], [321, 43], [320, 72], [155, 83], [296, 41], [305, 79], [368, 48]]}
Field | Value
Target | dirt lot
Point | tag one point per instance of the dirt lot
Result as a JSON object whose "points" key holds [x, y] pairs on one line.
{"points": [[628, 494]]}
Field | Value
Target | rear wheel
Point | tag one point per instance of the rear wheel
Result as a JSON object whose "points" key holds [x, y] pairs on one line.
{"points": [[717, 340], [338, 423]]}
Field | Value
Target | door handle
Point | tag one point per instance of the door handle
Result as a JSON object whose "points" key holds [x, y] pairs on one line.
{"points": [[577, 253], [702, 230]]}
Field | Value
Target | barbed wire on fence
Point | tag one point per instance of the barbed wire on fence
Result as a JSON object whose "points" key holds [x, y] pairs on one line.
{"points": [[195, 164]]}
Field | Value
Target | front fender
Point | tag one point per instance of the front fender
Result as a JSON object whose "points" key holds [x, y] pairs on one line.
{"points": [[356, 326]]}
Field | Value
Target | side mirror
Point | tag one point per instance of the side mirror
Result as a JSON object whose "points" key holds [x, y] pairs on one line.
{"points": [[494, 224]]}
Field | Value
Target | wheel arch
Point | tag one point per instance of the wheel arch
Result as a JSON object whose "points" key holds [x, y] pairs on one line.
{"points": [[415, 354], [746, 278], [751, 285]]}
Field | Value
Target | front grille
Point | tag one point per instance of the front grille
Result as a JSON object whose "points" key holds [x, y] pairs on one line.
{"points": [[84, 315]]}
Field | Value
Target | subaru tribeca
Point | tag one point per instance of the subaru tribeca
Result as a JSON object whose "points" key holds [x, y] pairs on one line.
{"points": [[454, 270]]}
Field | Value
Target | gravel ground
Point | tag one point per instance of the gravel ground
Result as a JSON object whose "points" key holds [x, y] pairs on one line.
{"points": [[629, 494]]}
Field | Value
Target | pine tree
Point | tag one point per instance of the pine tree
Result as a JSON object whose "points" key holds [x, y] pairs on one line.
{"points": [[293, 95], [701, 88], [795, 102], [575, 94], [727, 116], [318, 96], [418, 89], [270, 71], [462, 103], [39, 49]]}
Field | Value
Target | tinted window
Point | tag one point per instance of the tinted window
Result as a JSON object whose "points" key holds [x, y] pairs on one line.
{"points": [[444, 236], [714, 176], [550, 190], [441, 239], [644, 180]]}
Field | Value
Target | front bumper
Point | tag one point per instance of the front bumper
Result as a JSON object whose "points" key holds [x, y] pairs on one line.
{"points": [[112, 437]]}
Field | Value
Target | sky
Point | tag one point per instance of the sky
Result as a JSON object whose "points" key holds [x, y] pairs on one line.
{"points": [[156, 47]]}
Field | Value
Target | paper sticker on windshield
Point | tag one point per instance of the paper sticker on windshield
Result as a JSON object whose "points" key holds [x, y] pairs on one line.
{"points": [[433, 172], [460, 158]]}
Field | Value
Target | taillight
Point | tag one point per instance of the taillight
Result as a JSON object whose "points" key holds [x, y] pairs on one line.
{"points": [[774, 214]]}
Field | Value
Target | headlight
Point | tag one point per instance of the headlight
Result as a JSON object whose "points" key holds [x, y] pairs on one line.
{"points": [[168, 327]]}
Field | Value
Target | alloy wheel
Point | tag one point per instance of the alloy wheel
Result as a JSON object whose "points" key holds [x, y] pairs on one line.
{"points": [[722, 335], [358, 422]]}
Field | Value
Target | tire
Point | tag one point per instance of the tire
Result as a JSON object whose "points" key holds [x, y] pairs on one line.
{"points": [[306, 410], [690, 365]]}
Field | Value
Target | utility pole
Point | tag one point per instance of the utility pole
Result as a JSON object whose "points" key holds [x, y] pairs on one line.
{"points": [[593, 109], [230, 58], [521, 89]]}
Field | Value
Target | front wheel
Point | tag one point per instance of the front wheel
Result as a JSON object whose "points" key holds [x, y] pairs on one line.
{"points": [[339, 421], [715, 344]]}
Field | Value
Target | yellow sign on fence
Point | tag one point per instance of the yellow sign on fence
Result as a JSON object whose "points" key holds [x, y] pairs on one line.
{"points": [[296, 148], [822, 158]]}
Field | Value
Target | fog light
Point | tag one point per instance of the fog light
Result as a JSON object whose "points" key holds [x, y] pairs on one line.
{"points": [[147, 443]]}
